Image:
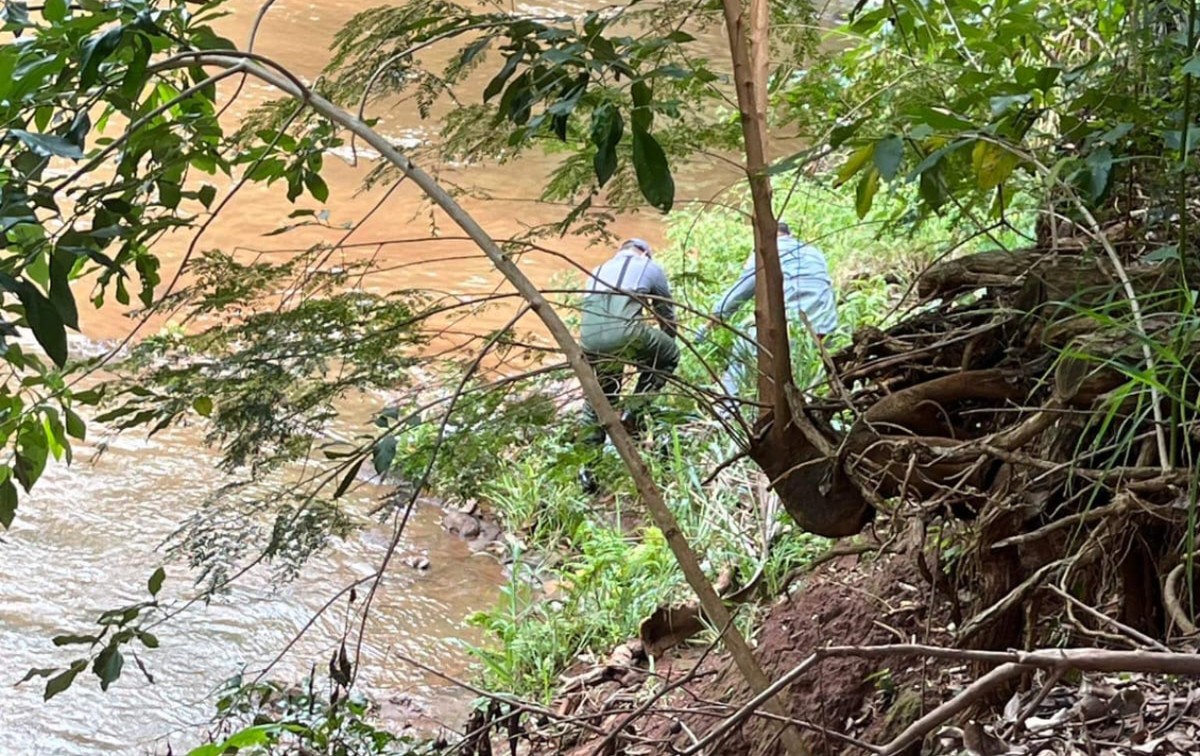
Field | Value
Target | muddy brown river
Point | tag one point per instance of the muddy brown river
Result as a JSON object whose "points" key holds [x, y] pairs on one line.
{"points": [[88, 537]]}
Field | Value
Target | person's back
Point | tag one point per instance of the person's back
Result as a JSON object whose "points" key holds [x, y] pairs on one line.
{"points": [[615, 298], [807, 285], [613, 334]]}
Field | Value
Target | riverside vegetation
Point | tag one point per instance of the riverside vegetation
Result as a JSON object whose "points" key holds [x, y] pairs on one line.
{"points": [[1024, 422]]}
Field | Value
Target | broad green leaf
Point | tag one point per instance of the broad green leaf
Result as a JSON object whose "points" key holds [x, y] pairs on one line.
{"points": [[108, 664], [206, 194], [48, 145], [76, 428], [887, 155], [316, 186], [61, 264], [32, 450], [1192, 67], [169, 194], [149, 640], [8, 502], [864, 194], [56, 436], [1162, 254], [154, 585], [1098, 169], [61, 682], [203, 405], [135, 75], [653, 172], [55, 11], [607, 128], [95, 51], [932, 186], [1002, 103], [642, 115], [384, 454], [500, 79], [45, 322], [854, 163], [993, 164], [80, 126], [943, 120]]}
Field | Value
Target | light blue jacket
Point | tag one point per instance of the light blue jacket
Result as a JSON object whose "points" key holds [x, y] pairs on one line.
{"points": [[807, 286]]}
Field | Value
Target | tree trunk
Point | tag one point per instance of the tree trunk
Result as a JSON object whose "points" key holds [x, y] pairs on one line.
{"points": [[749, 49]]}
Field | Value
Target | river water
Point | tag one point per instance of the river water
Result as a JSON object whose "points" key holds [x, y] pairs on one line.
{"points": [[88, 537]]}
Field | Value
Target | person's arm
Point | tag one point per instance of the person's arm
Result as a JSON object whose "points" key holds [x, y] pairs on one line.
{"points": [[662, 303], [737, 295]]}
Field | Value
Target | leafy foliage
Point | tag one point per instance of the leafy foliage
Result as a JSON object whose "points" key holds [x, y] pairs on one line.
{"points": [[271, 718], [116, 629]]}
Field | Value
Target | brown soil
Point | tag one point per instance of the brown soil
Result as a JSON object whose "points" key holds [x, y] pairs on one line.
{"points": [[844, 602]]}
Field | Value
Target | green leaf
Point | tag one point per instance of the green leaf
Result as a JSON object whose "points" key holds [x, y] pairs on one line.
{"points": [[149, 640], [653, 173], [206, 195], [203, 406], [943, 120], [80, 126], [993, 164], [887, 155], [55, 11], [95, 51], [384, 454], [1192, 67], [169, 194], [1170, 252], [135, 75], [251, 736], [607, 128], [642, 116], [8, 503], [854, 163], [61, 682], [32, 449], [108, 665], [45, 322], [61, 264], [70, 640], [76, 428], [316, 186], [840, 133], [1098, 171], [506, 71], [932, 186], [37, 672], [154, 585], [48, 145], [348, 478], [864, 194]]}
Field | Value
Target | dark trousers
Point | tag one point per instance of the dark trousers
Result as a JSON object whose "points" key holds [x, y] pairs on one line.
{"points": [[655, 356]]}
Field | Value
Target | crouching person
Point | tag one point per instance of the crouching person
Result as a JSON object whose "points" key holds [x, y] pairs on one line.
{"points": [[614, 333]]}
